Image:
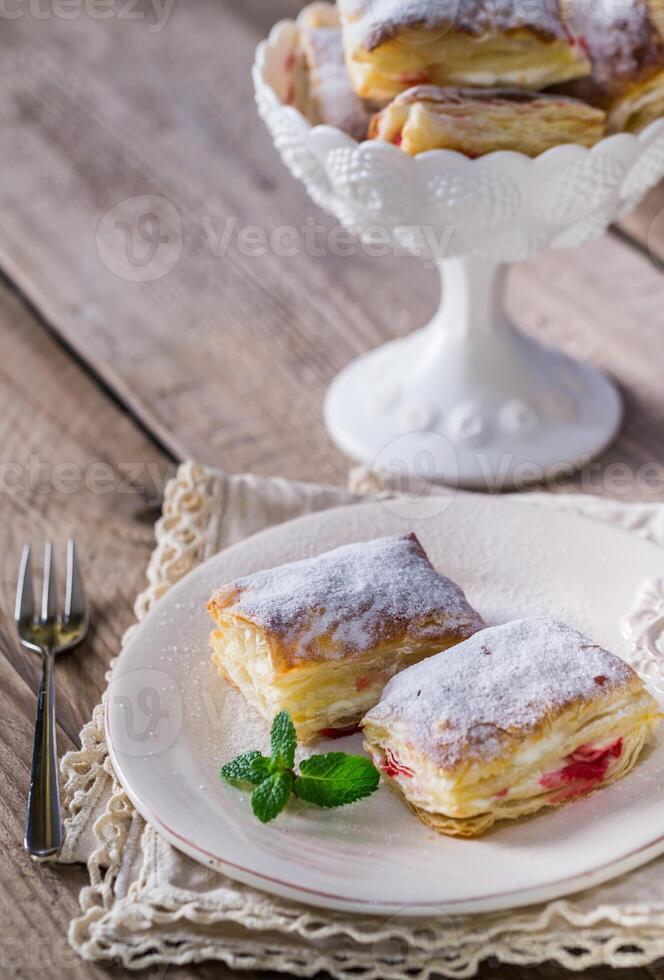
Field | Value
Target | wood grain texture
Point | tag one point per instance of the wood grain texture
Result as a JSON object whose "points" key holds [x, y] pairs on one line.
{"points": [[227, 356], [645, 226], [66, 452], [72, 464]]}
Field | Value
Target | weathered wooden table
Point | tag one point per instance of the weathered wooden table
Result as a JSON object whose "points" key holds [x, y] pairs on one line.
{"points": [[105, 382]]}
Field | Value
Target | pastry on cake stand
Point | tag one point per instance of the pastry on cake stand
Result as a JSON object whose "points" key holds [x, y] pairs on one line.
{"points": [[468, 399]]}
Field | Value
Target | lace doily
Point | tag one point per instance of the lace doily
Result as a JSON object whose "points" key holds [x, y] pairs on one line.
{"points": [[149, 904]]}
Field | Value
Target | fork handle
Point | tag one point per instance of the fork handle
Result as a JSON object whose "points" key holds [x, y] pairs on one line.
{"points": [[43, 832]]}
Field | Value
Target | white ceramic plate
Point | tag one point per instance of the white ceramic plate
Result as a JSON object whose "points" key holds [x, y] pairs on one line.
{"points": [[172, 723]]}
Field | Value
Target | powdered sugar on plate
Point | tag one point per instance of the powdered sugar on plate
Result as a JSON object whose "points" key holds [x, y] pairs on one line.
{"points": [[504, 681]]}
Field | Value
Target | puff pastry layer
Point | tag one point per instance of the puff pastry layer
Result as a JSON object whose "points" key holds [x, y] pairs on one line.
{"points": [[332, 99], [523, 716], [625, 42], [392, 45], [478, 121], [320, 637]]}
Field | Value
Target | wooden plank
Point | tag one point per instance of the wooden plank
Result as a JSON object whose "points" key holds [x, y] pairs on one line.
{"points": [[226, 340], [606, 309], [36, 902], [72, 463], [645, 226], [57, 432], [227, 357]]}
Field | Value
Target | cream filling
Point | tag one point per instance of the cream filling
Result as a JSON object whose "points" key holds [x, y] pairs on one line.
{"points": [[518, 777], [457, 59], [317, 694]]}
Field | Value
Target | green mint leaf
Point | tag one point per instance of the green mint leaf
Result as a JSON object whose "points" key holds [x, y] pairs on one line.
{"points": [[284, 741], [269, 799], [250, 767], [335, 778]]}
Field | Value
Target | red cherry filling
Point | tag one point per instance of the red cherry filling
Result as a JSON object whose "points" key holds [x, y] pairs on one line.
{"points": [[392, 766], [362, 682], [585, 767], [338, 732], [414, 78]]}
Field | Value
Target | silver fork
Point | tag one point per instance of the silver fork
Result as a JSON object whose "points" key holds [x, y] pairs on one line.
{"points": [[47, 634]]}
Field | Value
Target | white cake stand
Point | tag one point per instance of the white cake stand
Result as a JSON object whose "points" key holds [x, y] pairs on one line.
{"points": [[468, 399]]}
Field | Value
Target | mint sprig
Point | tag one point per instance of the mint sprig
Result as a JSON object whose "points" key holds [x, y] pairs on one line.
{"points": [[250, 767], [283, 741], [327, 780], [335, 779], [272, 795]]}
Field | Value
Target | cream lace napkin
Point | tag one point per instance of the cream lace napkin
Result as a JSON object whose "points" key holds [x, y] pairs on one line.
{"points": [[147, 903]]}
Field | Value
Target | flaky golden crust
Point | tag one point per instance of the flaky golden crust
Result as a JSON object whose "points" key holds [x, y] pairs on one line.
{"points": [[323, 698], [332, 99], [477, 826], [387, 20], [391, 45], [369, 596], [625, 44], [547, 718], [320, 638], [479, 121]]}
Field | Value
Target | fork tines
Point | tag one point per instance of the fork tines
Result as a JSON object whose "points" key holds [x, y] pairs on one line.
{"points": [[75, 612]]}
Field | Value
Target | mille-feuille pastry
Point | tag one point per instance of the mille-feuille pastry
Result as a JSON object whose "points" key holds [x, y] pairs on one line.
{"points": [[332, 99], [625, 43], [520, 717], [321, 637], [392, 45], [477, 121]]}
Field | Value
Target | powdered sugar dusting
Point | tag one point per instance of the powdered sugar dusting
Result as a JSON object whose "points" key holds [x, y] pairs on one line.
{"points": [[378, 21], [502, 683], [624, 44], [347, 600], [333, 99]]}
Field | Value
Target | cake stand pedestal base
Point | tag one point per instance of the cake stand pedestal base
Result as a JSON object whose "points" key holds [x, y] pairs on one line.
{"points": [[469, 400]]}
